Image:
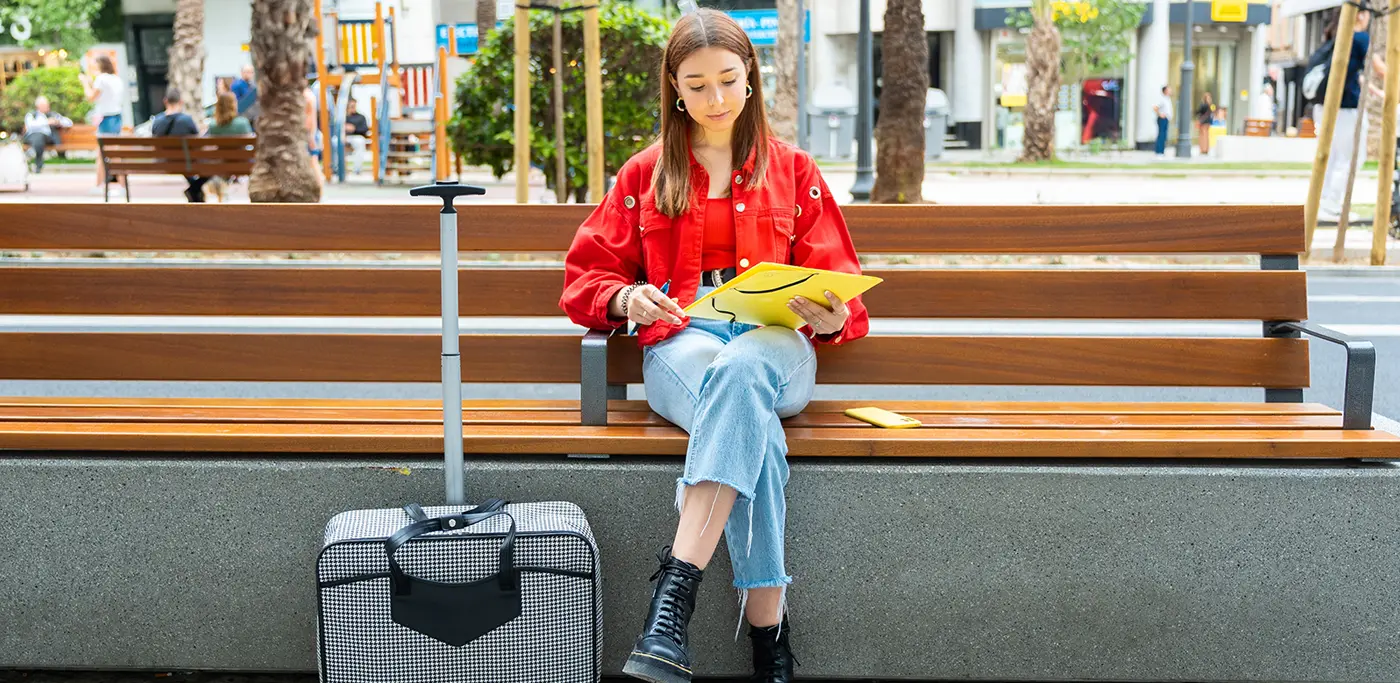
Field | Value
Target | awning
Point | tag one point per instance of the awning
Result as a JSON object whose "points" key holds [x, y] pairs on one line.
{"points": [[1293, 8]]}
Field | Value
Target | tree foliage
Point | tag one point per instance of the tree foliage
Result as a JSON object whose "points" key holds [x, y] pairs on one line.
{"points": [[483, 128], [49, 23], [1095, 35]]}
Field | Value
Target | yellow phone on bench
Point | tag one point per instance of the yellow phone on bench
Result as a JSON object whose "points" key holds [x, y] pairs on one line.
{"points": [[882, 418]]}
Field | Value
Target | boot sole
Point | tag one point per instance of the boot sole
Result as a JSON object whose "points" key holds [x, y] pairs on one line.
{"points": [[654, 669]]}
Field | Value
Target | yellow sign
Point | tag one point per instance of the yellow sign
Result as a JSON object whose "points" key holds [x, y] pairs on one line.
{"points": [[1229, 10], [1013, 100]]}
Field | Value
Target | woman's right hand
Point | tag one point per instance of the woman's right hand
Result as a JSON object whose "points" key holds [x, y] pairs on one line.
{"points": [[647, 304]]}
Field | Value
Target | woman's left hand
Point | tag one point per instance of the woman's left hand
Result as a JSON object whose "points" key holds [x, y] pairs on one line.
{"points": [[821, 319]]}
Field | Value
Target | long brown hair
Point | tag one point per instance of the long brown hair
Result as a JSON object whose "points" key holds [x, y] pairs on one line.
{"points": [[671, 179], [225, 109]]}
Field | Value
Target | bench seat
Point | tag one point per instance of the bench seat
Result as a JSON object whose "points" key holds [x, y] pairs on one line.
{"points": [[951, 429]]}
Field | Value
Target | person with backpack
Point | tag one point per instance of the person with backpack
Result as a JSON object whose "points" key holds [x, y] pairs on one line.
{"points": [[1344, 146]]}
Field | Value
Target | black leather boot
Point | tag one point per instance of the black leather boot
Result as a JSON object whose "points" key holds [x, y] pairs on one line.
{"points": [[661, 654], [772, 654]]}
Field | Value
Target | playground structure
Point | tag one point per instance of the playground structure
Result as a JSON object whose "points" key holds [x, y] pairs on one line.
{"points": [[408, 110]]}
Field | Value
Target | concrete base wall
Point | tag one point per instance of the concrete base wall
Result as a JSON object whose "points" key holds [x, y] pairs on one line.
{"points": [[1121, 571]]}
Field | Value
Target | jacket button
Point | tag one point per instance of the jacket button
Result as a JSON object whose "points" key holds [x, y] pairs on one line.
{"points": [[743, 263], [799, 210], [738, 179], [815, 192], [739, 207], [629, 201]]}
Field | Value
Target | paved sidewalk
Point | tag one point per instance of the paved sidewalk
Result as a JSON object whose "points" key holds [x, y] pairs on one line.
{"points": [[178, 677], [75, 185]]}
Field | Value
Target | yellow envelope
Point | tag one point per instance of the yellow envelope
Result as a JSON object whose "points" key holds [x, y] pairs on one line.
{"points": [[759, 296]]}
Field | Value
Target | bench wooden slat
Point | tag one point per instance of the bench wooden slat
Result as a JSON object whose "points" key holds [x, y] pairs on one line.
{"points": [[876, 229], [823, 406], [195, 439], [181, 168], [293, 291], [1091, 361], [621, 418], [129, 143]]}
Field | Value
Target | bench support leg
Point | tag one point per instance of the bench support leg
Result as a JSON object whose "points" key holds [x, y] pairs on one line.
{"points": [[594, 390]]}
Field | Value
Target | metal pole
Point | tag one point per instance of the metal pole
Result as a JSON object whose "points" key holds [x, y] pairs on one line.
{"points": [[1184, 118], [865, 49], [802, 75], [451, 361]]}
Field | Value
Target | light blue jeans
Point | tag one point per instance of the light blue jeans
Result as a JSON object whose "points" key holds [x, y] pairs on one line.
{"points": [[727, 385]]}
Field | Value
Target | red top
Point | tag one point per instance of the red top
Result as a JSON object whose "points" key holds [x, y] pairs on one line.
{"points": [[718, 252], [790, 217]]}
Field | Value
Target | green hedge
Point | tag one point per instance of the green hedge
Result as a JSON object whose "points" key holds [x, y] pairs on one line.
{"points": [[59, 83]]}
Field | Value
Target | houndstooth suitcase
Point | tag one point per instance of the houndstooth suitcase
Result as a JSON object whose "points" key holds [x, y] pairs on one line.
{"points": [[491, 593]]}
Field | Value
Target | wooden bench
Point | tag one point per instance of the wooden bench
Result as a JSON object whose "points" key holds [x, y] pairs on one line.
{"points": [[511, 439], [1276, 361], [215, 155], [79, 137]]}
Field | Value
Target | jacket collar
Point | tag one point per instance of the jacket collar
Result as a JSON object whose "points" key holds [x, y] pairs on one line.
{"points": [[746, 168]]}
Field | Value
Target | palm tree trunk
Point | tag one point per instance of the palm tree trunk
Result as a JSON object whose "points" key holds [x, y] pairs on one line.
{"points": [[485, 19], [1043, 84], [783, 116], [900, 136], [187, 56], [281, 35]]}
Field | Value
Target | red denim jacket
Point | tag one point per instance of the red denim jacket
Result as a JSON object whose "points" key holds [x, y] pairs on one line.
{"points": [[791, 218]]}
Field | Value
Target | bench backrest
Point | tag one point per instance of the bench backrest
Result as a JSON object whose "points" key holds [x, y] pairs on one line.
{"points": [[79, 136], [216, 155], [1275, 292]]}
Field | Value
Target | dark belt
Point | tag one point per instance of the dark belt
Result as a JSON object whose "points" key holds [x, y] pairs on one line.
{"points": [[716, 278]]}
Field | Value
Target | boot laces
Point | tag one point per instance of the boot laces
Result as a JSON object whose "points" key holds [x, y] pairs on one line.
{"points": [[671, 613]]}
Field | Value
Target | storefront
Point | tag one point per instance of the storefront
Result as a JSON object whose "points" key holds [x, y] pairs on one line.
{"points": [[1115, 108]]}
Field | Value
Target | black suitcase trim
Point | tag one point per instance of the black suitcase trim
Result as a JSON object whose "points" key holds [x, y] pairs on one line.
{"points": [[591, 577]]}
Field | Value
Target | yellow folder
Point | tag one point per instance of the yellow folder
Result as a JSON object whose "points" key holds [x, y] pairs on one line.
{"points": [[760, 295]]}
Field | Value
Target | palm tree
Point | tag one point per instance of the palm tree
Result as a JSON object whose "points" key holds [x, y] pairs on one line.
{"points": [[899, 137], [1043, 83], [783, 116], [485, 19], [187, 55], [281, 34]]}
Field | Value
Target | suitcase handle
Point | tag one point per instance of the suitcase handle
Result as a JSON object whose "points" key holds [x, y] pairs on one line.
{"points": [[507, 573], [446, 190], [415, 511]]}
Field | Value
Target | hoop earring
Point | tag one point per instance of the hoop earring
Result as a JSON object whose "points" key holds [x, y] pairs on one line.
{"points": [[750, 92], [680, 104]]}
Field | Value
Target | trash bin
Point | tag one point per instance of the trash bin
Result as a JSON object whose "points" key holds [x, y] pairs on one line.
{"points": [[831, 123], [936, 112]]}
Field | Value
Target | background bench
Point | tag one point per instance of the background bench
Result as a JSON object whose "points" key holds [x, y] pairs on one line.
{"points": [[1118, 540], [79, 137], [215, 155]]}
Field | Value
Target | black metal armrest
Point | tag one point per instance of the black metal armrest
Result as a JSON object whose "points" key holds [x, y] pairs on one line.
{"points": [[593, 380], [1361, 371]]}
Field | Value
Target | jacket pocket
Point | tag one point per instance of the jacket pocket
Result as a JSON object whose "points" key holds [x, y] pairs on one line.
{"points": [[658, 245], [781, 231]]}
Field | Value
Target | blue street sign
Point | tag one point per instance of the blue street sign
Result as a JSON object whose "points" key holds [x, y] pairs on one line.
{"points": [[463, 34], [762, 25]]}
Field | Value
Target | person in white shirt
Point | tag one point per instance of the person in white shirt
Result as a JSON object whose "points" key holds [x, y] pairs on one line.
{"points": [[41, 130], [107, 92], [1163, 108]]}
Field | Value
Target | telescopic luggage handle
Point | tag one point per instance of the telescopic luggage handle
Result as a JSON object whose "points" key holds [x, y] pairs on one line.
{"points": [[451, 354], [447, 190]]}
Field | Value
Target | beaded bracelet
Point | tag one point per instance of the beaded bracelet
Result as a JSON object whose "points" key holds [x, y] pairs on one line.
{"points": [[627, 297]]}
